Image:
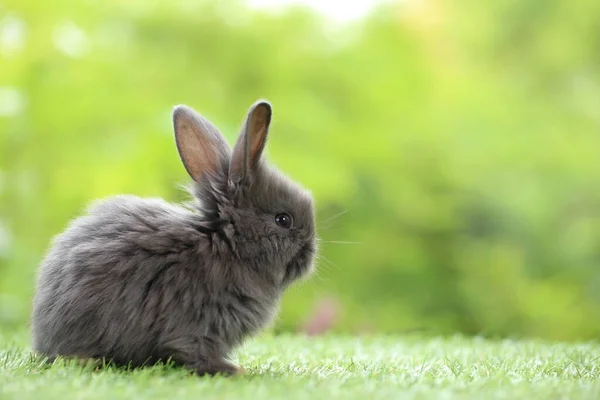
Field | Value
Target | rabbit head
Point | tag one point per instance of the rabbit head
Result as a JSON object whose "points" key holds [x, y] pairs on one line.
{"points": [[266, 220]]}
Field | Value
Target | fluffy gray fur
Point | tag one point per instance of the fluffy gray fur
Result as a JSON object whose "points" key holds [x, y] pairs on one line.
{"points": [[136, 281]]}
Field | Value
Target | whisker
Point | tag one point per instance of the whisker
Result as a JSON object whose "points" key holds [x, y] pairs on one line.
{"points": [[324, 228], [335, 216], [339, 242], [324, 272], [326, 261], [325, 264]]}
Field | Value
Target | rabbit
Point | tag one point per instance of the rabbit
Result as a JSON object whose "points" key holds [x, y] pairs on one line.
{"points": [[137, 281]]}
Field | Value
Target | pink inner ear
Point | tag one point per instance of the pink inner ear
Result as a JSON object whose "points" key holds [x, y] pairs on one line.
{"points": [[257, 146], [193, 153], [198, 157]]}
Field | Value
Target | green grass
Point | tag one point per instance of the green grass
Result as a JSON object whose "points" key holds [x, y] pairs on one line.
{"points": [[294, 367]]}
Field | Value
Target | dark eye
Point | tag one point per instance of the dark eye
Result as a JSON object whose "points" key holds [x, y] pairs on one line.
{"points": [[283, 220]]}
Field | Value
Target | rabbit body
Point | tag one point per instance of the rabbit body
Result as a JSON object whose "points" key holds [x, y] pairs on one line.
{"points": [[137, 281]]}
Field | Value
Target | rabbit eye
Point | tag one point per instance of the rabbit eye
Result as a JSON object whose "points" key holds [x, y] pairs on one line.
{"points": [[283, 220]]}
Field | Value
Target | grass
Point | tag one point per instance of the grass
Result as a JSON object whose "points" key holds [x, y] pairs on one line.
{"points": [[334, 367]]}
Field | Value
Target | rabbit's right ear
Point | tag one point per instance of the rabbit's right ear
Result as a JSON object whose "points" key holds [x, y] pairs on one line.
{"points": [[250, 144], [202, 148]]}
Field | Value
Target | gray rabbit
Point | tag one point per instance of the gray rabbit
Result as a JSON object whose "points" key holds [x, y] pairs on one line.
{"points": [[136, 281]]}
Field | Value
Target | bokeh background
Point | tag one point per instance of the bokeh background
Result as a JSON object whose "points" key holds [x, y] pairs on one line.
{"points": [[453, 147]]}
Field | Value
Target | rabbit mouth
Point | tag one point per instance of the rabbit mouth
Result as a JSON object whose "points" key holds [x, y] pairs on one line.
{"points": [[300, 264]]}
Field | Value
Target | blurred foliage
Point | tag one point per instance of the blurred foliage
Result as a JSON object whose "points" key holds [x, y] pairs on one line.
{"points": [[455, 145]]}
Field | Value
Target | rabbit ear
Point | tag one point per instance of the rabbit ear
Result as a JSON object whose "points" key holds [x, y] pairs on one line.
{"points": [[201, 146], [251, 142]]}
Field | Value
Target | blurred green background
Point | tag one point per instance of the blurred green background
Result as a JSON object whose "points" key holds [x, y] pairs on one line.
{"points": [[452, 146]]}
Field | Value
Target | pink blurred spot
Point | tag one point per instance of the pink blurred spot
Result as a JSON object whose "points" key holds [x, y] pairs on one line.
{"points": [[323, 317]]}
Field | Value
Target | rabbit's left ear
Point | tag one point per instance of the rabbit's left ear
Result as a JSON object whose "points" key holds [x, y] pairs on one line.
{"points": [[251, 142], [202, 148]]}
